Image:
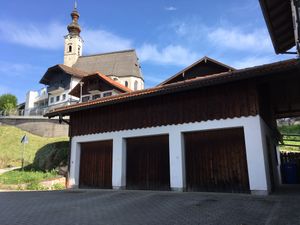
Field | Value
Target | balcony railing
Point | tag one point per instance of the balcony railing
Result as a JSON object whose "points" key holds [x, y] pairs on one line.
{"points": [[56, 89], [23, 112]]}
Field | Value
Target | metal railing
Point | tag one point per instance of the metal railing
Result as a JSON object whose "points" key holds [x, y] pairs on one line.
{"points": [[23, 112]]}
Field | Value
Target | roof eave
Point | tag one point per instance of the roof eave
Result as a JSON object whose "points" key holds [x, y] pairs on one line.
{"points": [[225, 77], [277, 48]]}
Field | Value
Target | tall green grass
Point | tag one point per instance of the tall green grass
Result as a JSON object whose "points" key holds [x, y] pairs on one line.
{"points": [[11, 147], [290, 140]]}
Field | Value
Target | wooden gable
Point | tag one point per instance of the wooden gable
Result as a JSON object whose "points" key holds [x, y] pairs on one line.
{"points": [[97, 82], [204, 67]]}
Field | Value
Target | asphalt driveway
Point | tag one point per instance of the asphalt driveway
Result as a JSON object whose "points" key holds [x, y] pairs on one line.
{"points": [[141, 207]]}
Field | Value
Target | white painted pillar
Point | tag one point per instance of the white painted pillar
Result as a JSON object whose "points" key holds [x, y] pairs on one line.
{"points": [[74, 164], [278, 165], [119, 163], [256, 157], [177, 161]]}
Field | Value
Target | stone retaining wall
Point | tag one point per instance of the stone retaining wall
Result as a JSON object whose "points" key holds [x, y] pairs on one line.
{"points": [[40, 126]]}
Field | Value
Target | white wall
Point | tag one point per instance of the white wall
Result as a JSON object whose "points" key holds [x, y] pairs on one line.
{"points": [[255, 150], [30, 100], [274, 154], [70, 58], [131, 80]]}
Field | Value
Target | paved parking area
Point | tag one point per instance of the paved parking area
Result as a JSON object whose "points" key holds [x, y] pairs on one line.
{"points": [[146, 208]]}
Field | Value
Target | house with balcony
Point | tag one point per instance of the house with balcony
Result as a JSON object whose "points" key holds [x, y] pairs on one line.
{"points": [[122, 67], [97, 85]]}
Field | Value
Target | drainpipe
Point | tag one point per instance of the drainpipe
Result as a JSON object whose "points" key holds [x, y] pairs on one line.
{"points": [[81, 85]]}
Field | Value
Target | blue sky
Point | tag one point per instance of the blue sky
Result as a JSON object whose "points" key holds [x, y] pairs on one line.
{"points": [[167, 34]]}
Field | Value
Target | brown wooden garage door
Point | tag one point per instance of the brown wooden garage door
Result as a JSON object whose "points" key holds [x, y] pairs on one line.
{"points": [[216, 161], [96, 165], [148, 166]]}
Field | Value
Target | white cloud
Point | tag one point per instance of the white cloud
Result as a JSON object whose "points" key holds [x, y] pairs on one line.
{"points": [[46, 37], [223, 36], [170, 8], [170, 55], [235, 38], [51, 37], [97, 41], [16, 69], [252, 61], [153, 79]]}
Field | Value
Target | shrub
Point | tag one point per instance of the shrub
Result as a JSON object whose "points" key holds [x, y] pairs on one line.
{"points": [[51, 156], [8, 102]]}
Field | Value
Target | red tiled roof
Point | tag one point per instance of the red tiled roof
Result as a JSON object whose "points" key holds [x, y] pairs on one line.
{"points": [[106, 79], [198, 82], [113, 82]]}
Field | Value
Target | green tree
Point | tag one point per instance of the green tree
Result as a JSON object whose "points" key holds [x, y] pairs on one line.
{"points": [[8, 102]]}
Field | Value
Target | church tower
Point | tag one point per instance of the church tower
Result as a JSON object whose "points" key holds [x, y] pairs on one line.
{"points": [[73, 41]]}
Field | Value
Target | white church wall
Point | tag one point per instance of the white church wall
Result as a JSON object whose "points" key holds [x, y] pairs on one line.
{"points": [[131, 80]]}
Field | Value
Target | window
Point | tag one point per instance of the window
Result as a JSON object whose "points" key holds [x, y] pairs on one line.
{"points": [[57, 98], [135, 85], [107, 94], [126, 83], [96, 96], [64, 97], [51, 99], [78, 50], [85, 99], [70, 48]]}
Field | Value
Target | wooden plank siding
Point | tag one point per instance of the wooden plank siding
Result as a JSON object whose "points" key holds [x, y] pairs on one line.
{"points": [[216, 161], [96, 165], [148, 166], [216, 102]]}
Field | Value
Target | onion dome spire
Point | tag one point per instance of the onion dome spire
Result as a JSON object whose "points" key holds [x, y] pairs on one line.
{"points": [[74, 27]]}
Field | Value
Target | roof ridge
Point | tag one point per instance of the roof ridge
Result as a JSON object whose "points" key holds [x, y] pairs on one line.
{"points": [[108, 53]]}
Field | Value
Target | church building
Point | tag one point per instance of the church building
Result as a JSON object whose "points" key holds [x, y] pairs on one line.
{"points": [[121, 68]]}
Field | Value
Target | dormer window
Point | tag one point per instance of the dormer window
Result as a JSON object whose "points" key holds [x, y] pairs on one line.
{"points": [[126, 83]]}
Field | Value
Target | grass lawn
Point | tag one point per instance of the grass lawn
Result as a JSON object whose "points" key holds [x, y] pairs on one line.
{"points": [[290, 140], [10, 146], [24, 177], [28, 180]]}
